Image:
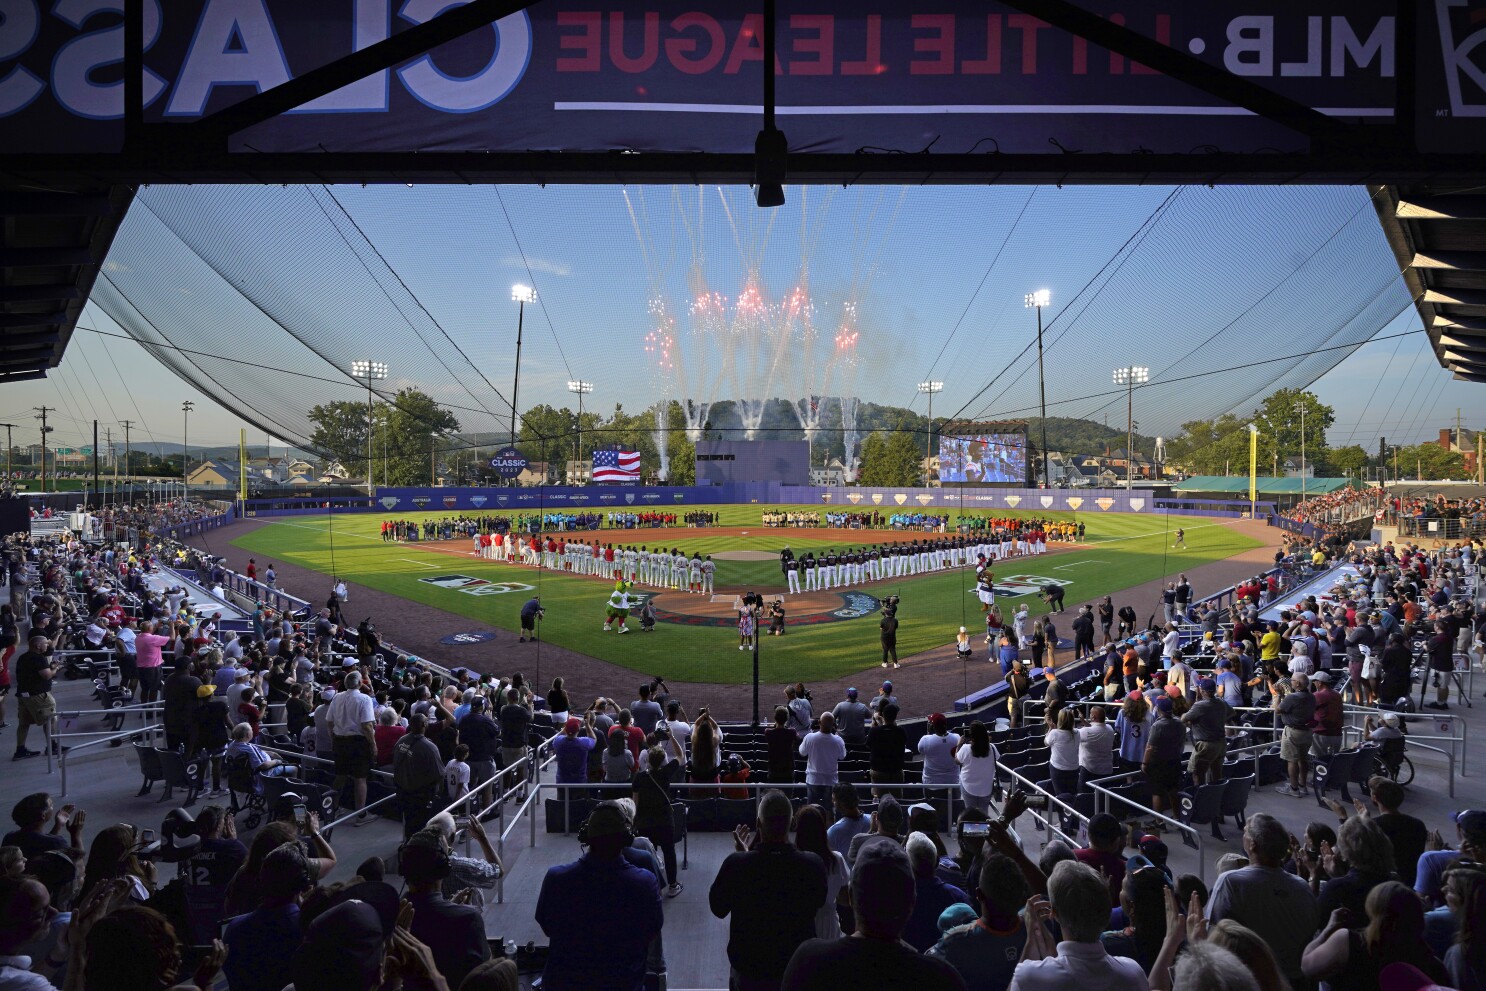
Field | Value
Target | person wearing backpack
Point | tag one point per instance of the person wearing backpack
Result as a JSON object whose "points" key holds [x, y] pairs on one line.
{"points": [[417, 772]]}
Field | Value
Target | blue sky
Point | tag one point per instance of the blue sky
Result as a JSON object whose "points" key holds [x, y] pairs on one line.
{"points": [[1195, 283]]}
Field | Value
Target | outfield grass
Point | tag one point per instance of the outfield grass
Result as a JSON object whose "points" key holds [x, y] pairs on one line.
{"points": [[1123, 550]]}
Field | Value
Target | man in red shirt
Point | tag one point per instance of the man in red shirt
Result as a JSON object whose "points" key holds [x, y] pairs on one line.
{"points": [[1326, 727]]}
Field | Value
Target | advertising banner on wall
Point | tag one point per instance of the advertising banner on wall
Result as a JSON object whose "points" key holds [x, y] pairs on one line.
{"points": [[682, 75]]}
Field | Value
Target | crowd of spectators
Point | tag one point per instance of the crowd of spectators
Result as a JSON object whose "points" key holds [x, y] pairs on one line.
{"points": [[817, 895], [1340, 506]]}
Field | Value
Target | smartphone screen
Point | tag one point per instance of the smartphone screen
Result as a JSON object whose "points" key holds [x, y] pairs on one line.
{"points": [[975, 830], [146, 836]]}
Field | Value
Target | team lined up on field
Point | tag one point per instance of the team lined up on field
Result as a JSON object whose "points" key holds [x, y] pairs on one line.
{"points": [[659, 568], [857, 565]]}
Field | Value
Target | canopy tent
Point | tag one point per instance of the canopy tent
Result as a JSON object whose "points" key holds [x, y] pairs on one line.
{"points": [[1266, 485]]}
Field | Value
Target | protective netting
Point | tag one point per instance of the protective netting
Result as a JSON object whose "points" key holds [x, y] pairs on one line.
{"points": [[262, 297]]}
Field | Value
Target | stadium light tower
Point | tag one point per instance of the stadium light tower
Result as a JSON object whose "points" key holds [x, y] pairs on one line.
{"points": [[928, 389], [580, 389], [186, 408], [1037, 300], [370, 371], [1130, 376], [521, 295]]}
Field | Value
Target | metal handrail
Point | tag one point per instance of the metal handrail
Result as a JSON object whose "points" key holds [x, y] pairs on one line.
{"points": [[302, 757], [356, 813], [1052, 800], [62, 758], [1099, 787]]}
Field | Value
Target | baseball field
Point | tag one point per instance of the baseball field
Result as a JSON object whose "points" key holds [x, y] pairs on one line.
{"points": [[828, 634]]}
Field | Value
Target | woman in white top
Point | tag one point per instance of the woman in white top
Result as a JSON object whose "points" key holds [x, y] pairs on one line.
{"points": [[810, 836], [977, 759], [937, 747], [1064, 743], [1095, 748]]}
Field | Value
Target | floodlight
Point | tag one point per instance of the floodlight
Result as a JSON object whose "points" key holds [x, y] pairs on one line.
{"points": [[1039, 299], [522, 294]]}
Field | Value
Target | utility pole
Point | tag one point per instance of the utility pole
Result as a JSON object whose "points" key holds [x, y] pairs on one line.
{"points": [[108, 433], [96, 485], [42, 411], [186, 408], [8, 428], [127, 424]]}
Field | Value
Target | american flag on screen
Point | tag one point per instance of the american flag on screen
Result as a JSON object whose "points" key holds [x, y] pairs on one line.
{"points": [[616, 466]]}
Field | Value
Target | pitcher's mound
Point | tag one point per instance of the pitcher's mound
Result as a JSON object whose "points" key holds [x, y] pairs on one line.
{"points": [[746, 556], [800, 610]]}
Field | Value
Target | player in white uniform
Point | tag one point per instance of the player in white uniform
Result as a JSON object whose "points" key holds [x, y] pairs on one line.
{"points": [[708, 571], [792, 574]]}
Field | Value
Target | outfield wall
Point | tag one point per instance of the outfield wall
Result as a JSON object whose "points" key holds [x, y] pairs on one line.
{"points": [[676, 499]]}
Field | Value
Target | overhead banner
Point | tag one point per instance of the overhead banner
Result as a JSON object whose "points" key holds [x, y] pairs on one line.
{"points": [[647, 75]]}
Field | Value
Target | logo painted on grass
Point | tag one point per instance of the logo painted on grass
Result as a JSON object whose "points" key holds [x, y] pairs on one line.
{"points": [[1014, 585], [457, 639], [854, 605], [475, 586]]}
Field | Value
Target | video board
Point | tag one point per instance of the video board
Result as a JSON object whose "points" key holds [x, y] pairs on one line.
{"points": [[984, 454]]}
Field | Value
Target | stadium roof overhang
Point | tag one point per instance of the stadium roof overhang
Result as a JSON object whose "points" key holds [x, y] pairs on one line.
{"points": [[1438, 234], [1367, 114]]}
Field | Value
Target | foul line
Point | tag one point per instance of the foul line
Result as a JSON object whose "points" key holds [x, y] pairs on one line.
{"points": [[323, 529], [1154, 533], [421, 564]]}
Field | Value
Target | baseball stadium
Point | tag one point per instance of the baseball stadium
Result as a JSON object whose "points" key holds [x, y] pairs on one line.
{"points": [[525, 495]]}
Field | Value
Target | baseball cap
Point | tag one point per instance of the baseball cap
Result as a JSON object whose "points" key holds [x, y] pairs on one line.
{"points": [[342, 948], [1154, 848], [348, 662], [958, 914], [573, 725], [851, 693], [1163, 702], [1137, 695], [243, 674], [1172, 691], [1471, 820], [937, 722], [205, 691], [1390, 719], [1322, 676], [1206, 684], [607, 819], [888, 685], [327, 694]]}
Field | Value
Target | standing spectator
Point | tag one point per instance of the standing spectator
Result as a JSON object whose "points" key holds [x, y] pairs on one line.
{"points": [[180, 706], [801, 714], [1296, 710], [1208, 720], [645, 711], [479, 732], [852, 717], [1056, 696], [706, 752], [1326, 725], [811, 837], [515, 725], [1079, 900], [887, 745], [453, 932], [1162, 761], [1062, 742], [604, 949], [353, 728], [261, 943], [850, 822], [1276, 905], [770, 892], [1133, 725], [33, 684], [1106, 852], [416, 774], [977, 758], [782, 743], [823, 751], [148, 644], [1407, 834], [651, 791], [882, 889], [937, 747], [1095, 748]]}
